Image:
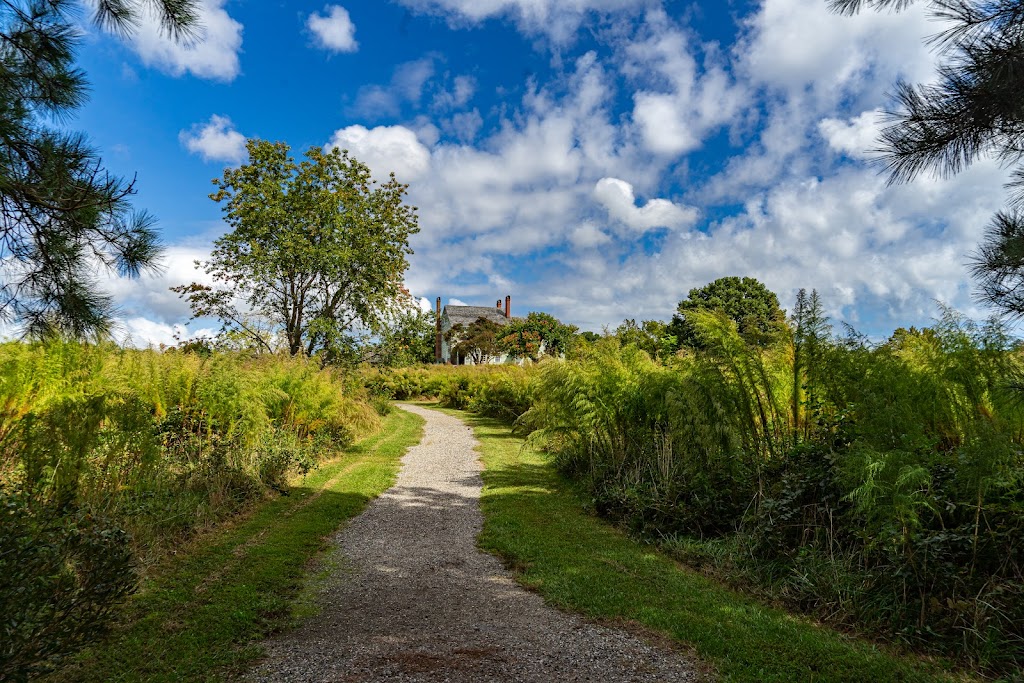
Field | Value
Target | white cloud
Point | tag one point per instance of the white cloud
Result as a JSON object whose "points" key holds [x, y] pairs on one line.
{"points": [[216, 140], [385, 149], [333, 30], [462, 91], [522, 189], [856, 137], [407, 84], [800, 44], [617, 197], [464, 126], [213, 55], [140, 332], [692, 101], [559, 19], [588, 236], [149, 297], [890, 251], [804, 65]]}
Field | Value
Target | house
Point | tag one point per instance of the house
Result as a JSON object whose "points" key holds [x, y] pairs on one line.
{"points": [[451, 316]]}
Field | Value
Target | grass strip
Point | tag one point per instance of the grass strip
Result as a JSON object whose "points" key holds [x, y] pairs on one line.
{"points": [[536, 521], [197, 619]]}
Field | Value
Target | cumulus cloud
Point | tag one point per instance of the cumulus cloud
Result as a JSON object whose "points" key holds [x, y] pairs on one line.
{"points": [[333, 30], [693, 101], [407, 85], [617, 197], [385, 149], [214, 55], [148, 311], [866, 247], [464, 126], [856, 137], [804, 65], [796, 45], [526, 188], [462, 90], [559, 19], [215, 140], [141, 332], [588, 236]]}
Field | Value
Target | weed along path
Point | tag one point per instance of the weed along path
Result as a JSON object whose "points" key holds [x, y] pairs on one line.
{"points": [[414, 599]]}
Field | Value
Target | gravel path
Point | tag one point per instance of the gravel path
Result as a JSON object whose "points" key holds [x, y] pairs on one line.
{"points": [[415, 599]]}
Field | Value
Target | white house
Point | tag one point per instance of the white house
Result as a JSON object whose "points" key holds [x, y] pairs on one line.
{"points": [[450, 316]]}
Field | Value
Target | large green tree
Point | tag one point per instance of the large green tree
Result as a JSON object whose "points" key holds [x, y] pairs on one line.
{"points": [[752, 306], [317, 248], [62, 216], [407, 338], [653, 336], [973, 110]]}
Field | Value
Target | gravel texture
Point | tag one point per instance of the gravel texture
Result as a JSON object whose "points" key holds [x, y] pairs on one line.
{"points": [[415, 600]]}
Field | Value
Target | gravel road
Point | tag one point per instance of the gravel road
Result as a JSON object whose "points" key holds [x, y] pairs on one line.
{"points": [[415, 600]]}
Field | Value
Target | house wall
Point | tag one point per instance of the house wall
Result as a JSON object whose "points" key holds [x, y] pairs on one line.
{"points": [[446, 350]]}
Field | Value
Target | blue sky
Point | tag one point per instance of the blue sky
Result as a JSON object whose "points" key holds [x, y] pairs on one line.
{"points": [[595, 159]]}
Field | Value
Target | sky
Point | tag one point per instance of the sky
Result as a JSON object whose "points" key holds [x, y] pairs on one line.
{"points": [[594, 159]]}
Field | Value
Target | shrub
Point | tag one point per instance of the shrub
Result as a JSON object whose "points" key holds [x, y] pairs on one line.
{"points": [[880, 485], [64, 572]]}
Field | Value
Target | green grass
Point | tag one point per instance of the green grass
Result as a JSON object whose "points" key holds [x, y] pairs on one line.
{"points": [[535, 520], [198, 618]]}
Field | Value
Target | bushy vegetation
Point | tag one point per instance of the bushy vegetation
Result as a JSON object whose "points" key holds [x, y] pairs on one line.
{"points": [[536, 522], [877, 485], [108, 456], [503, 391], [64, 571]]}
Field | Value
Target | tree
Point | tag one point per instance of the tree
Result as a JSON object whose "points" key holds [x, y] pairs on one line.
{"points": [[536, 335], [406, 338], [62, 216], [479, 341], [811, 331], [316, 249], [752, 306], [652, 336], [975, 109]]}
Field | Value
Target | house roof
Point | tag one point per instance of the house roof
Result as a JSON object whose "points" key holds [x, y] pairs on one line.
{"points": [[467, 315]]}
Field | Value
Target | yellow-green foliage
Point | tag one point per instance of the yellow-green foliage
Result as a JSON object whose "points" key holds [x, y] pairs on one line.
{"points": [[97, 441], [880, 484], [496, 390], [178, 437]]}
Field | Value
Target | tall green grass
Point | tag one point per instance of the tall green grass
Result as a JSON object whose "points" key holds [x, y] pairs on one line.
{"points": [[138, 449], [534, 520], [880, 486], [201, 617]]}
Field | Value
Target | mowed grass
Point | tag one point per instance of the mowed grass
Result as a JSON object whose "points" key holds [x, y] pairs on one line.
{"points": [[199, 617], [535, 520]]}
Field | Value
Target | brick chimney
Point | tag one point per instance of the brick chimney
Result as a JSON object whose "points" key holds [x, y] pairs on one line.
{"points": [[437, 333], [508, 306], [498, 305]]}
